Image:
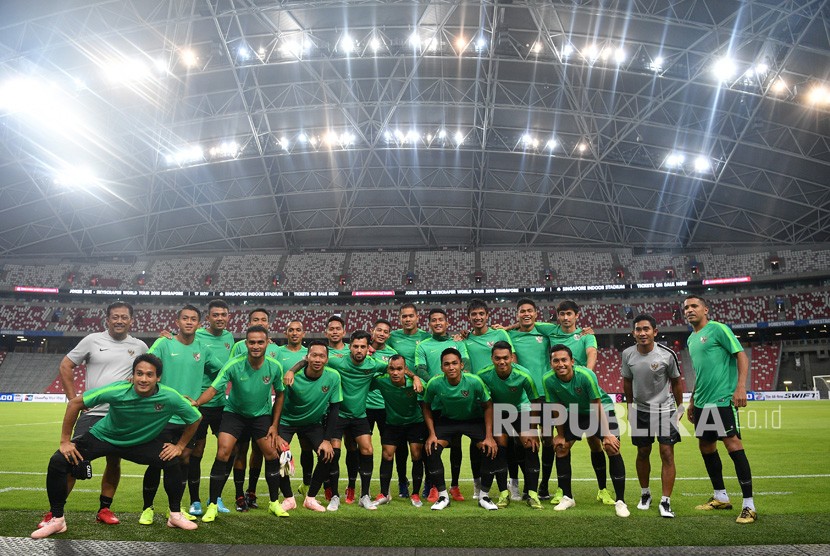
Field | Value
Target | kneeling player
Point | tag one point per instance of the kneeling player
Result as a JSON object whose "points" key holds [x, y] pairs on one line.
{"points": [[312, 404], [577, 395], [139, 411], [249, 409], [404, 424], [465, 408]]}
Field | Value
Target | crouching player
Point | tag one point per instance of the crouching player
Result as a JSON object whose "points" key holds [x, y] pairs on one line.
{"points": [[404, 424], [461, 405], [139, 411], [249, 409], [312, 405], [587, 410]]}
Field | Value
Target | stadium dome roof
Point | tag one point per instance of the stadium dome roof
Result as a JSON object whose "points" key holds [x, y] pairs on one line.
{"points": [[153, 127]]}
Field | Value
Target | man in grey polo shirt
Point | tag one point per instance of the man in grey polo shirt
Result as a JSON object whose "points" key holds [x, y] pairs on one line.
{"points": [[109, 357], [653, 390]]}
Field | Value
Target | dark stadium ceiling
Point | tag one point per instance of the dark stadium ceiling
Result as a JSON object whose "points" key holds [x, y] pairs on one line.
{"points": [[155, 127]]}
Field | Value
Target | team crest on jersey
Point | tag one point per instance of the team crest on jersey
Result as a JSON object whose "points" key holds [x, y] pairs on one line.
{"points": [[131, 352], [703, 339], [514, 388], [490, 344], [577, 336], [538, 339], [159, 406], [325, 389], [227, 345], [410, 393], [578, 390], [339, 355], [655, 366], [197, 356], [465, 393], [266, 380]]}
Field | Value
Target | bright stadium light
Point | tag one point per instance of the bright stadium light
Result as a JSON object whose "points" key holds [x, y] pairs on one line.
{"points": [[591, 53], [779, 86], [77, 176], [582, 147], [537, 47], [127, 70], [347, 45], [375, 44], [818, 95], [186, 155], [460, 44], [442, 133], [459, 138], [724, 69], [619, 56], [674, 160], [189, 58], [415, 40], [702, 164], [481, 44], [551, 144], [567, 50], [243, 53], [657, 64]]}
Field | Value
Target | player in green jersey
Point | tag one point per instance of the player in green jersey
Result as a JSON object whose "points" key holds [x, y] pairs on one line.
{"points": [[580, 407], [404, 425], [428, 365], [186, 360], [721, 369], [249, 409], [335, 332], [404, 340], [220, 341], [457, 403], [479, 343], [581, 341], [132, 430], [511, 385], [311, 408]]}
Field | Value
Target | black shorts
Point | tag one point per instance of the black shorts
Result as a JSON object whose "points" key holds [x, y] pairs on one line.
{"points": [[314, 434], [396, 435], [84, 423], [714, 423], [211, 417], [92, 447], [447, 429], [351, 427], [650, 425], [376, 417], [172, 433], [588, 423], [236, 425]]}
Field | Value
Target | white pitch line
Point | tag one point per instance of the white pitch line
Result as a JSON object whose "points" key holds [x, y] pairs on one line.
{"points": [[30, 424]]}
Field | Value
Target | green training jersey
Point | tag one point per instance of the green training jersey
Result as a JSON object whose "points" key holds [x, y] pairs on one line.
{"points": [[460, 402], [374, 399], [517, 389], [581, 390], [250, 394], [184, 366], [288, 358], [713, 351], [428, 356], [356, 381], [241, 348], [533, 353], [338, 354], [405, 344], [132, 419], [402, 402], [577, 341], [221, 347], [307, 401], [480, 348]]}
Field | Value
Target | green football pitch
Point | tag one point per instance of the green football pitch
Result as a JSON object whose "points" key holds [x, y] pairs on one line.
{"points": [[787, 445]]}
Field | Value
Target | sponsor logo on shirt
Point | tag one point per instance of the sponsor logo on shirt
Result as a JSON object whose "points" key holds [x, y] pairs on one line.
{"points": [[159, 406], [197, 356]]}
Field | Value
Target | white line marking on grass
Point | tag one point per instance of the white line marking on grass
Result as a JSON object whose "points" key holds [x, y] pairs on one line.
{"points": [[29, 424], [769, 493], [9, 489]]}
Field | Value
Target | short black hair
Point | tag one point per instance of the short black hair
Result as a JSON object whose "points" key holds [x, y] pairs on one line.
{"points": [[256, 328], [501, 344], [645, 316], [318, 342], [477, 304], [702, 299], [360, 335], [118, 305], [437, 311], [258, 310], [217, 303], [568, 305], [151, 359], [397, 357], [189, 308], [526, 301], [336, 318], [562, 347], [408, 306], [450, 351], [383, 321]]}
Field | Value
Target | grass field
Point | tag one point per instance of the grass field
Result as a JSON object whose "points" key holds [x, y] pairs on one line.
{"points": [[786, 443]]}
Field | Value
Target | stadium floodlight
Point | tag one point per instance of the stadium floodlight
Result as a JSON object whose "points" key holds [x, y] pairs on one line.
{"points": [[779, 86], [619, 56], [582, 147], [481, 44], [702, 164], [347, 44], [551, 144], [189, 58], [461, 44], [415, 40], [76, 176], [657, 64], [186, 155], [387, 135], [161, 65], [442, 133], [724, 69], [293, 47], [674, 160], [375, 44], [527, 139], [818, 95], [283, 142], [413, 136], [567, 50], [537, 47], [459, 138], [302, 138], [400, 136], [243, 53], [126, 70], [591, 53]]}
